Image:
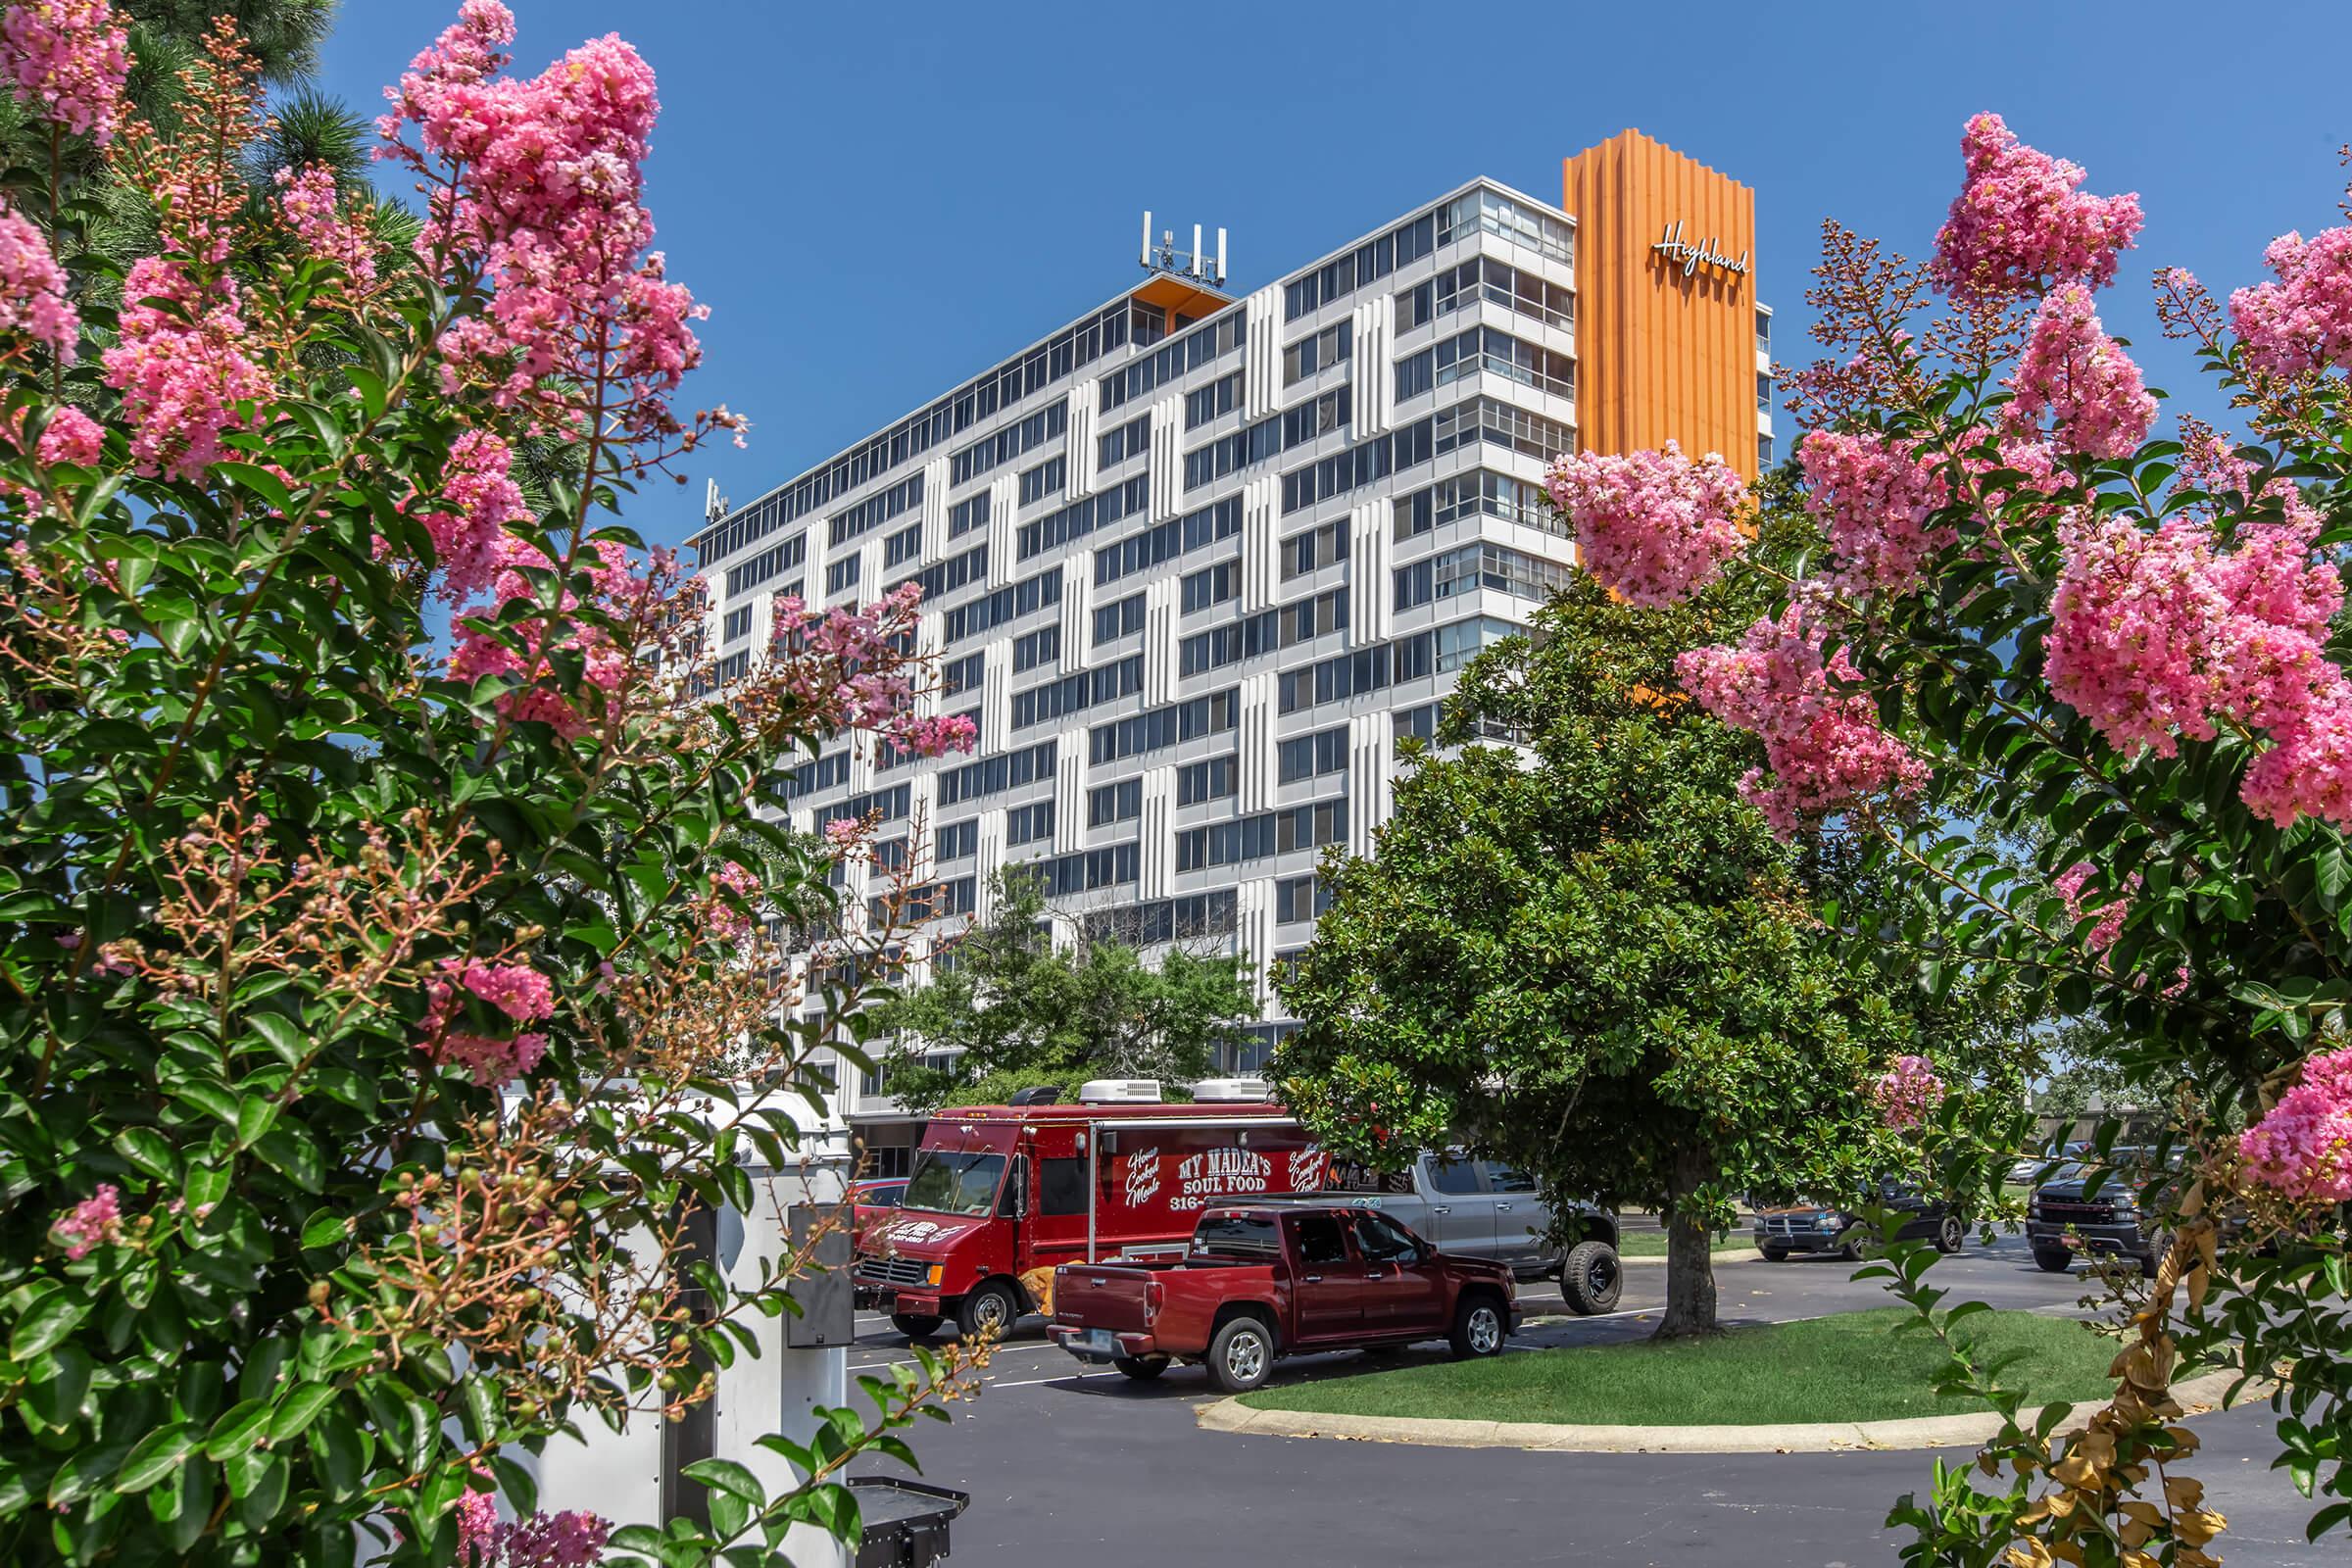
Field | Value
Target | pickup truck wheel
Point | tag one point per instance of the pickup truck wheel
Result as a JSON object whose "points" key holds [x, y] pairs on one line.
{"points": [[990, 1309], [1591, 1279], [1478, 1328], [1242, 1355], [914, 1325], [1774, 1254], [1141, 1369], [1951, 1235], [2053, 1259]]}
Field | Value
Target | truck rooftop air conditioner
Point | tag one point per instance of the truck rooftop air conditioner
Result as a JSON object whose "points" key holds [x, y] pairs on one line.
{"points": [[1119, 1091], [1229, 1091]]}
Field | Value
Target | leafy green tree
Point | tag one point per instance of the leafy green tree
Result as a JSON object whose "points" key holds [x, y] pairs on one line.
{"points": [[1027, 1012], [1586, 954]]}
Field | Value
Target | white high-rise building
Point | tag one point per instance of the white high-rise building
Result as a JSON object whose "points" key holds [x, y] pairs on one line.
{"points": [[1193, 565]]}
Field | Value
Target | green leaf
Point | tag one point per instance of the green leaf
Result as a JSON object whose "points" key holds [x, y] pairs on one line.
{"points": [[260, 480], [239, 1428], [727, 1476], [298, 1409], [158, 1455], [282, 1034], [49, 1319], [256, 1116], [148, 1149]]}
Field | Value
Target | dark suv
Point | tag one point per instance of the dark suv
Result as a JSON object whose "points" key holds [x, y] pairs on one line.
{"points": [[2061, 1216], [1842, 1229]]}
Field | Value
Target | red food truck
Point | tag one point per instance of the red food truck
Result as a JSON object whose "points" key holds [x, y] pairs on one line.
{"points": [[1000, 1195]]}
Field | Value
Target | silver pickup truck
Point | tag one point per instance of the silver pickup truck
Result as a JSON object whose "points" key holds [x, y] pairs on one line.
{"points": [[1481, 1208]]}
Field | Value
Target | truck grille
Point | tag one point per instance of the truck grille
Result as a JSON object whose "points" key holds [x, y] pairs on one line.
{"points": [[1789, 1225], [891, 1270], [2075, 1212]]}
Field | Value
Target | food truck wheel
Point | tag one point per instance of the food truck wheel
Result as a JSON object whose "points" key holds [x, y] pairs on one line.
{"points": [[990, 1307], [914, 1325]]}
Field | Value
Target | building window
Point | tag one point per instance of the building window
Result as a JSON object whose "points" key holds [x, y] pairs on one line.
{"points": [[1025, 824], [842, 574], [1763, 393], [1043, 480], [963, 674], [1038, 647], [1763, 452], [1220, 397], [958, 840], [738, 625], [1317, 416], [1120, 619], [1129, 440], [902, 546], [1312, 755], [1212, 780], [1476, 494], [1317, 352], [1317, 548], [966, 515], [1114, 802], [1478, 566], [1211, 585], [1300, 898]]}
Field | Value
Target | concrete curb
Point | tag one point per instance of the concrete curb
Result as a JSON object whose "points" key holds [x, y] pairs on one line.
{"points": [[2195, 1396], [1738, 1254]]}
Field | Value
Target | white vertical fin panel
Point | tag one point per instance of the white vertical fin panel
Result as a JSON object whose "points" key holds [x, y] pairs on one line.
{"points": [[1166, 463], [995, 696], [1369, 377], [990, 837], [1256, 762], [1004, 497], [935, 510], [1261, 350], [1160, 607], [1254, 932], [1070, 788], [1079, 476], [1368, 574], [1158, 830], [1367, 778], [1077, 610], [1261, 543]]}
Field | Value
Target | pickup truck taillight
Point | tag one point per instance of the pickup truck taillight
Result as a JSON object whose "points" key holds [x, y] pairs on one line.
{"points": [[1154, 1294]]}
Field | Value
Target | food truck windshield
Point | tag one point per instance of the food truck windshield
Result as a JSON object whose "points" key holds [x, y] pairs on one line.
{"points": [[950, 1181]]}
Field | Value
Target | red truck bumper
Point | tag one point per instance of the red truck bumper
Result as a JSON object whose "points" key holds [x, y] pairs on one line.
{"points": [[1100, 1344]]}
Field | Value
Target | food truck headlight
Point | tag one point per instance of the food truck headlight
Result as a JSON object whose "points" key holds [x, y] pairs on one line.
{"points": [[931, 1275]]}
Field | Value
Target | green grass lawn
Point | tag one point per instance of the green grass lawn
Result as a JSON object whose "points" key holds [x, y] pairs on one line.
{"points": [[1845, 1368], [1652, 1243]]}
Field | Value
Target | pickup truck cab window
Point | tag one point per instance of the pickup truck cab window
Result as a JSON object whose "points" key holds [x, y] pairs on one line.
{"points": [[1237, 1236], [1383, 1241], [952, 1183], [1452, 1177], [1505, 1177], [1321, 1241]]}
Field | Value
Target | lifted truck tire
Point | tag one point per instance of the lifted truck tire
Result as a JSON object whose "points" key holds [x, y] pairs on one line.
{"points": [[1141, 1369], [1774, 1254], [2053, 1259], [914, 1325], [1479, 1327], [1951, 1235], [991, 1305], [1240, 1356], [1592, 1278]]}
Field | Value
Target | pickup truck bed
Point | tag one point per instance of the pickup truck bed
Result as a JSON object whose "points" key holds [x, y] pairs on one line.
{"points": [[1263, 1282]]}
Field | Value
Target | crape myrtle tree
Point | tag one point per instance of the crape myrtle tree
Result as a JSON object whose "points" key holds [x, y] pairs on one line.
{"points": [[375, 1005], [1585, 954], [2034, 623], [1024, 1010]]}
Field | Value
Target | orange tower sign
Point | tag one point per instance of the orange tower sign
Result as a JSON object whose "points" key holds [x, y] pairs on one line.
{"points": [[1666, 328]]}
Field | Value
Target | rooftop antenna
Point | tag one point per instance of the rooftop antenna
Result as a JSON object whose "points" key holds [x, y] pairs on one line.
{"points": [[1195, 263], [715, 505]]}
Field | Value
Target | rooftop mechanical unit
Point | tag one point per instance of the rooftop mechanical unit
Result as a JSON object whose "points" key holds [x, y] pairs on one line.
{"points": [[1119, 1091]]}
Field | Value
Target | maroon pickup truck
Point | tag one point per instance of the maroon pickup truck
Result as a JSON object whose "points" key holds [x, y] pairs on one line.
{"points": [[1257, 1283]]}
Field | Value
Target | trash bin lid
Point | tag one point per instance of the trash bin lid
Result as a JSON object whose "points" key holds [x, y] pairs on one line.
{"points": [[887, 1505]]}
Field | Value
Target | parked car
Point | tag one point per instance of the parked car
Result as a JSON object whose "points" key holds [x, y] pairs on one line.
{"points": [[2065, 1215], [1842, 1229], [872, 1201], [1482, 1209], [1263, 1281]]}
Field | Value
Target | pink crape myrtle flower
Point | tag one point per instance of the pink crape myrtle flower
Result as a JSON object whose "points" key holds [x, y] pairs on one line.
{"points": [[516, 990], [2302, 322], [1823, 747], [1875, 497], [1907, 1091], [493, 1064], [95, 1221], [722, 917], [2109, 923], [479, 498], [307, 200], [70, 436], [68, 60], [184, 377], [34, 291], [1651, 526], [2071, 371], [2020, 220], [2302, 1147]]}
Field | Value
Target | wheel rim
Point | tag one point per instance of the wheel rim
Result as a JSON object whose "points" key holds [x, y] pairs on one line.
{"points": [[989, 1311], [1953, 1235], [1246, 1357], [1486, 1330], [1600, 1276]]}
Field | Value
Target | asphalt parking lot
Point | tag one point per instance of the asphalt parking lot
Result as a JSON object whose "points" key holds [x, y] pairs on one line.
{"points": [[1066, 1462]]}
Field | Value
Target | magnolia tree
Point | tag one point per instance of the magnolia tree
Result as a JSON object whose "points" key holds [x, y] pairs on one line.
{"points": [[2030, 622], [377, 1006]]}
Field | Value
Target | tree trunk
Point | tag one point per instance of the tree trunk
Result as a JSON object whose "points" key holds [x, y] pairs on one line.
{"points": [[1690, 1250]]}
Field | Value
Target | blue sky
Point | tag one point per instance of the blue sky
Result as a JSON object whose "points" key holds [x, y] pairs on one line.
{"points": [[879, 199]]}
